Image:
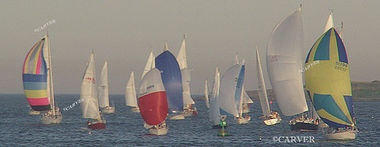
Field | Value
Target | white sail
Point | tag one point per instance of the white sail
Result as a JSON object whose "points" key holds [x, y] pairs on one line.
{"points": [[103, 87], [284, 64], [50, 87], [262, 89], [150, 64], [130, 92], [246, 101], [89, 101], [182, 57], [329, 23], [186, 76], [214, 111], [206, 95], [228, 102]]}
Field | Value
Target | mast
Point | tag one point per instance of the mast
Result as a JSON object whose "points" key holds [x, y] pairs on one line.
{"points": [[50, 75]]}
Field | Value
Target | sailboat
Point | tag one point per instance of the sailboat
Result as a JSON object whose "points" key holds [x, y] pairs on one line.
{"points": [[207, 101], [246, 99], [38, 84], [153, 102], [328, 84], [88, 96], [130, 94], [270, 118], [103, 91], [172, 80], [214, 111], [284, 63], [231, 93], [188, 102]]}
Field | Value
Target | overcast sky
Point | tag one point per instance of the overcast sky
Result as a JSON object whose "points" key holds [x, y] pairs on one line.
{"points": [[125, 31]]}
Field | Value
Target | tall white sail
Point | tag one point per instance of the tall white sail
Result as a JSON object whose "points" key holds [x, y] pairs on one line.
{"points": [[89, 101], [130, 92], [103, 87], [329, 23], [50, 87], [214, 111], [284, 64], [150, 64], [206, 95], [186, 76], [262, 89], [229, 89]]}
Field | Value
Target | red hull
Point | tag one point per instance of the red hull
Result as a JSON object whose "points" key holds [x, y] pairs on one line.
{"points": [[97, 126]]}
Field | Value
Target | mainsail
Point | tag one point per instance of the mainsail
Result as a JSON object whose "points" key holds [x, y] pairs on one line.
{"points": [[284, 64], [214, 113], [328, 83], [172, 80], [36, 77], [206, 95], [89, 101], [103, 87], [130, 92], [262, 89], [152, 98], [150, 64], [186, 76]]}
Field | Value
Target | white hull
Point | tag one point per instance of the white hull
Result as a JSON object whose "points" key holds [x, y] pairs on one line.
{"points": [[344, 135], [136, 109], [108, 110], [322, 125], [243, 120], [32, 112], [160, 131], [273, 121], [51, 119], [177, 117]]}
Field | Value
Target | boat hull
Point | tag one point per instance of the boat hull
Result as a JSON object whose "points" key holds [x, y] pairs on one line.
{"points": [[96, 125], [303, 126], [160, 131], [32, 112], [51, 119], [273, 121], [190, 112], [108, 110], [243, 120], [177, 117], [345, 135], [135, 109]]}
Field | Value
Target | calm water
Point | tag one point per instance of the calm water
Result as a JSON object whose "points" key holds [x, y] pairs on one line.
{"points": [[125, 128]]}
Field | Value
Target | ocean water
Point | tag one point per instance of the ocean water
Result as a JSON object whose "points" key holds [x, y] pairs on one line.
{"points": [[125, 128]]}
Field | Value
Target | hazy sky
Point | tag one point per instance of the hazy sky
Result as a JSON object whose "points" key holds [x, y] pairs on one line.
{"points": [[125, 31]]}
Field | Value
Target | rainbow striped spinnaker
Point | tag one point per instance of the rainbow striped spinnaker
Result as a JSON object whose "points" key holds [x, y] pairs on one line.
{"points": [[36, 77]]}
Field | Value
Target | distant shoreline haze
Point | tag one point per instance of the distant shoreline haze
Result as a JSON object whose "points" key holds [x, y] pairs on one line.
{"points": [[361, 91]]}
